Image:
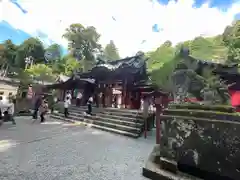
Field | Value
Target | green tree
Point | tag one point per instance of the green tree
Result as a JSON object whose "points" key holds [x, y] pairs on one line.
{"points": [[162, 55], [31, 47], [7, 55], [66, 65], [40, 72], [71, 65], [162, 61], [83, 43], [231, 37], [53, 53], [111, 52], [208, 48]]}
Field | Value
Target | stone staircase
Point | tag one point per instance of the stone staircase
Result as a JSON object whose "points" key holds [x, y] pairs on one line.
{"points": [[120, 121]]}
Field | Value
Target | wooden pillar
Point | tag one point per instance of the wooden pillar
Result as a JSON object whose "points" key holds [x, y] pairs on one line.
{"points": [[110, 94], [158, 123], [158, 103], [124, 93], [107, 95]]}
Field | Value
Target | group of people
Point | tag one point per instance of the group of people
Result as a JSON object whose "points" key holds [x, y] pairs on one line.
{"points": [[67, 103]]}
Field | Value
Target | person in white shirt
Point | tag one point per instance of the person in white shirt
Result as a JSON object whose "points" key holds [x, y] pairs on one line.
{"points": [[7, 110], [78, 99], [68, 95], [67, 103]]}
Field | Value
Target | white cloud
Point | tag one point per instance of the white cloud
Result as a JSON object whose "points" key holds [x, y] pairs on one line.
{"points": [[134, 19]]}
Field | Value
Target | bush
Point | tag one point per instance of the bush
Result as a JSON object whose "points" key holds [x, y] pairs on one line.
{"points": [[219, 108]]}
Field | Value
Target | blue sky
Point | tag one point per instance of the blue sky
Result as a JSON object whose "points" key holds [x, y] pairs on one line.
{"points": [[223, 4], [133, 24]]}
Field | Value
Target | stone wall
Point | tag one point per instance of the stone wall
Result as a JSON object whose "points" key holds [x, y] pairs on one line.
{"points": [[207, 141]]}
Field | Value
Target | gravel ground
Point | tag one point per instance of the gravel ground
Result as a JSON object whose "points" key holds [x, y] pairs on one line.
{"points": [[61, 151]]}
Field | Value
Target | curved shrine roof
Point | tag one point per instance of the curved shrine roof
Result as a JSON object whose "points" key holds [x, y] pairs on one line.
{"points": [[119, 69]]}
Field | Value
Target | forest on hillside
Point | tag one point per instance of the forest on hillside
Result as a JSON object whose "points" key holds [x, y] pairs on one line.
{"points": [[223, 48], [32, 61]]}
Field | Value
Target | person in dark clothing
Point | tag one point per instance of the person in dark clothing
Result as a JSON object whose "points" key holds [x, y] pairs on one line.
{"points": [[89, 105], [1, 117], [43, 110], [37, 104]]}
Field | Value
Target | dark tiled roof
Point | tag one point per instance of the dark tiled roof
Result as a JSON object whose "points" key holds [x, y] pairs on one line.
{"points": [[118, 69]]}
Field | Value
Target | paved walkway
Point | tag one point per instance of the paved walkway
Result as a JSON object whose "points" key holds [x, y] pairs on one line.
{"points": [[61, 151]]}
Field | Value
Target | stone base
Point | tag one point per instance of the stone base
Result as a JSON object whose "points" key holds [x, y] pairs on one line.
{"points": [[153, 170]]}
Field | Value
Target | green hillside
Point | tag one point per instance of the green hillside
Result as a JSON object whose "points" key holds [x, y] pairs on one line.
{"points": [[223, 48]]}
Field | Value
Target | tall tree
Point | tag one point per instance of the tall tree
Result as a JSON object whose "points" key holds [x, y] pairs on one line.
{"points": [[83, 43], [111, 52], [7, 55], [231, 37], [66, 65], [31, 47], [160, 56], [53, 53]]}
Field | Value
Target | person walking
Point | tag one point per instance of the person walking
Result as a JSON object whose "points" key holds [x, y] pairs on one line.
{"points": [[89, 105], [37, 104], [78, 98], [10, 112], [67, 103], [68, 95], [43, 110], [146, 111]]}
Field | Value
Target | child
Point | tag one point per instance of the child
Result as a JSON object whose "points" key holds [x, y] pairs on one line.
{"points": [[43, 110], [67, 103]]}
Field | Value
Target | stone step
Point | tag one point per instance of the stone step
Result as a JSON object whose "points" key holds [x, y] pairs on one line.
{"points": [[113, 110], [105, 111], [105, 123], [134, 116], [86, 121], [114, 116], [127, 122], [110, 115]]}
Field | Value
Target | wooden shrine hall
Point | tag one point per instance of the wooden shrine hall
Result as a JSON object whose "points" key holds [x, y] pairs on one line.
{"points": [[117, 83]]}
